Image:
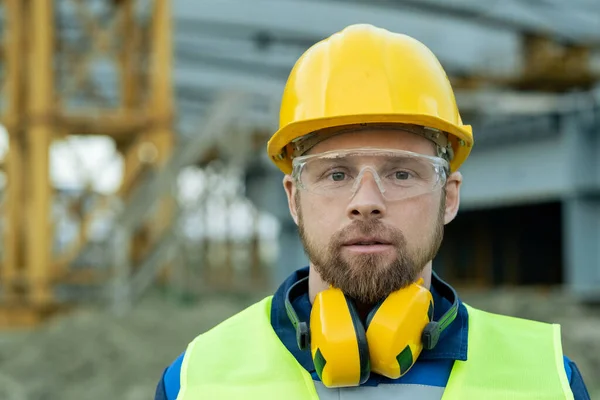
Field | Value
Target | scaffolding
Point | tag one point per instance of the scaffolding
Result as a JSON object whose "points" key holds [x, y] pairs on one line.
{"points": [[51, 89]]}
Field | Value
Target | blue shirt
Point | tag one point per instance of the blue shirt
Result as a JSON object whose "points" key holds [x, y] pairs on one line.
{"points": [[432, 368]]}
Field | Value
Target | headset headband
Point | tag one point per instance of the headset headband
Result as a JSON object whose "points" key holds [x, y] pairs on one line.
{"points": [[301, 327]]}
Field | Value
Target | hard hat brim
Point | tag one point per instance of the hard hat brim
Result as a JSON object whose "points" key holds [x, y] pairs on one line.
{"points": [[461, 137]]}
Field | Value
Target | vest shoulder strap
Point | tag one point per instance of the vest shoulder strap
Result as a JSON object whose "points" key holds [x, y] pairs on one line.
{"points": [[509, 358], [243, 358]]}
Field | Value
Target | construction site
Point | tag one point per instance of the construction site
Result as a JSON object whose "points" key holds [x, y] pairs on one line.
{"points": [[138, 206]]}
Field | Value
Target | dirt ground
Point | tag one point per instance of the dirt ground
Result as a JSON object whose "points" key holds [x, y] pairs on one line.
{"points": [[92, 355]]}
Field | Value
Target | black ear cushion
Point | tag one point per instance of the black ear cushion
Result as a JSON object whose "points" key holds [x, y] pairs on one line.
{"points": [[372, 313], [361, 339]]}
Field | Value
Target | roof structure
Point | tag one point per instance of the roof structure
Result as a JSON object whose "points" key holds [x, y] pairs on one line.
{"points": [[252, 45]]}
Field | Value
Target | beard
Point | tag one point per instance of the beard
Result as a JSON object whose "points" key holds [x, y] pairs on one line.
{"points": [[369, 278]]}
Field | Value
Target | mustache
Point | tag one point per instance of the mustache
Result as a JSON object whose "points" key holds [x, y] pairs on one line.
{"points": [[368, 228]]}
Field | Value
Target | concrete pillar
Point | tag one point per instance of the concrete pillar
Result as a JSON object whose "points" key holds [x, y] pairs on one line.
{"points": [[581, 208]]}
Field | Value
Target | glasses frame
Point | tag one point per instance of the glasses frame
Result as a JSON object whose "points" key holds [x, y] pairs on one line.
{"points": [[438, 163]]}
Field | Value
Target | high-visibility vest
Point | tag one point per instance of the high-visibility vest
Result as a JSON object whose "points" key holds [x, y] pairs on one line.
{"points": [[243, 358]]}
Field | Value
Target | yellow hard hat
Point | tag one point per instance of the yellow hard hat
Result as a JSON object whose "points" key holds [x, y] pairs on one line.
{"points": [[367, 75]]}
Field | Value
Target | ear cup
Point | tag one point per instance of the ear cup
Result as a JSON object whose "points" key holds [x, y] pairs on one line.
{"points": [[394, 330], [338, 340]]}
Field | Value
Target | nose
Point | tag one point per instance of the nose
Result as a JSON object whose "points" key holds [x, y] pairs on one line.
{"points": [[367, 202]]}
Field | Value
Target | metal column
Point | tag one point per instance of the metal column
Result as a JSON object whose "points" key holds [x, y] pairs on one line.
{"points": [[39, 137], [161, 103], [13, 235]]}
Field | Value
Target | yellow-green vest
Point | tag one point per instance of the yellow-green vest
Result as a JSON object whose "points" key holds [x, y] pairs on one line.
{"points": [[243, 358]]}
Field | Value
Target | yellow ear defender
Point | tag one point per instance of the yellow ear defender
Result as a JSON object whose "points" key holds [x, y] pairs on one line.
{"points": [[345, 351]]}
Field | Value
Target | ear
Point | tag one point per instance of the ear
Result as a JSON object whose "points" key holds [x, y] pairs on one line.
{"points": [[452, 196], [290, 191]]}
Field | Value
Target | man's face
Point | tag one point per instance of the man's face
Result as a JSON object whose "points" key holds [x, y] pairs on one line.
{"points": [[410, 230]]}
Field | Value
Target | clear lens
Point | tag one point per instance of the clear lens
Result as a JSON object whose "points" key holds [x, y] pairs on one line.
{"points": [[398, 174]]}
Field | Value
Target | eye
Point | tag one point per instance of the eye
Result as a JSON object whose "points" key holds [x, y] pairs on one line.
{"points": [[403, 175], [338, 176]]}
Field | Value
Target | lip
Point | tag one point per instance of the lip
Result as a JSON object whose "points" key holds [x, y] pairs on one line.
{"points": [[367, 241], [368, 248], [368, 245]]}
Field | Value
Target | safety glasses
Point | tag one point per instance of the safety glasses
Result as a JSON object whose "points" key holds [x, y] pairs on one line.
{"points": [[398, 174]]}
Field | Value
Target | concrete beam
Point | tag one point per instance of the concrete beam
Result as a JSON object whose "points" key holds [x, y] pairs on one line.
{"points": [[193, 48], [515, 174], [548, 162], [481, 48], [576, 21], [217, 79]]}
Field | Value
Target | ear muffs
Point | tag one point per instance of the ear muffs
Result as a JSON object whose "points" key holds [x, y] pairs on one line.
{"points": [[338, 340], [397, 330], [395, 327]]}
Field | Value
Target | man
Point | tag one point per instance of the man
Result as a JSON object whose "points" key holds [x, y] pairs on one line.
{"points": [[370, 142]]}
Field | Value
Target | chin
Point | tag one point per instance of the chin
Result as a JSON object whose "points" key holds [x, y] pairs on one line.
{"points": [[371, 260]]}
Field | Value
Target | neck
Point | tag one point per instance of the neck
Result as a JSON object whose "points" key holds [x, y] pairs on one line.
{"points": [[316, 284]]}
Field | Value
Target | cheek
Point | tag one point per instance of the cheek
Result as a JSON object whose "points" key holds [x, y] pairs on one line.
{"points": [[416, 219], [320, 220]]}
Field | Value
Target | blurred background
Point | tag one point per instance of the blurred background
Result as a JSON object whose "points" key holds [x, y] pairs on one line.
{"points": [[138, 207]]}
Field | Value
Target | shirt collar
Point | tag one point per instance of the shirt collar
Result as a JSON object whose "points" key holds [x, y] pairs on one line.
{"points": [[452, 344]]}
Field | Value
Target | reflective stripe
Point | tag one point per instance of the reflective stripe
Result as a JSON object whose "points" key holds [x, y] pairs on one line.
{"points": [[380, 392]]}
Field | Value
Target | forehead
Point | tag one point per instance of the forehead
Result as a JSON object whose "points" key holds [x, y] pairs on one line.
{"points": [[381, 138]]}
